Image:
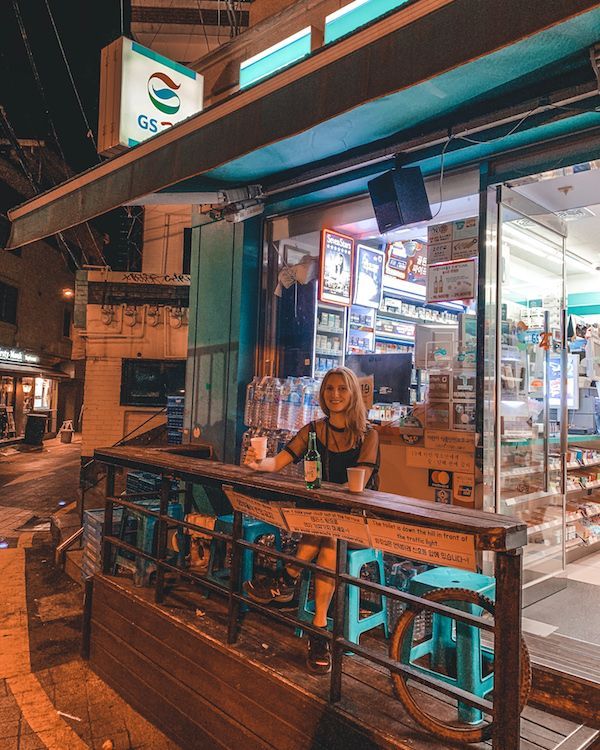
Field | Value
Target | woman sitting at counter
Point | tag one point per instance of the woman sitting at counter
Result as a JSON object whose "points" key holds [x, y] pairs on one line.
{"points": [[344, 440]]}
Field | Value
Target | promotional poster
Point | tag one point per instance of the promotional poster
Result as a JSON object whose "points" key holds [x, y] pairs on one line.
{"points": [[369, 276], [337, 253]]}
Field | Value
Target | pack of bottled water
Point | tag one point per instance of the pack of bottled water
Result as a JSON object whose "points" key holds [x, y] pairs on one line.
{"points": [[276, 442], [281, 404]]}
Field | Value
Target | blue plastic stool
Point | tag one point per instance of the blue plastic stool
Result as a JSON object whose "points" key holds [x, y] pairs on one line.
{"points": [[446, 643], [252, 529], [145, 540], [354, 625]]}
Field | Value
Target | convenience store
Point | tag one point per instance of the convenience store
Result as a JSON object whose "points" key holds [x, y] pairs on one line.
{"points": [[312, 184], [423, 353]]}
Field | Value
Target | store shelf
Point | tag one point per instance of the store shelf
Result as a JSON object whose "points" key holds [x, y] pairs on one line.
{"points": [[391, 337], [522, 471], [529, 497], [324, 329], [590, 486], [532, 557], [577, 465], [361, 327], [329, 353], [388, 315]]}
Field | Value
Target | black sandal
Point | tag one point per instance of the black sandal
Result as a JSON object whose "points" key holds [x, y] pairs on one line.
{"points": [[318, 658]]}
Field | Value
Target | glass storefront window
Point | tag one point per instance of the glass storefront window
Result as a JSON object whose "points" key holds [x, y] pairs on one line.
{"points": [[42, 394]]}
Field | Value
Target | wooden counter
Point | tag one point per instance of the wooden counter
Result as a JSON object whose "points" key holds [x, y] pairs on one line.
{"points": [[491, 531]]}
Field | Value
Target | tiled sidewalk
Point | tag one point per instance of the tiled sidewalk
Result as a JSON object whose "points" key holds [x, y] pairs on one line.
{"points": [[49, 698]]}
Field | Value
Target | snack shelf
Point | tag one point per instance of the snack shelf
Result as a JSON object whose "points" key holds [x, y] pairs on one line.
{"points": [[392, 337], [325, 329]]}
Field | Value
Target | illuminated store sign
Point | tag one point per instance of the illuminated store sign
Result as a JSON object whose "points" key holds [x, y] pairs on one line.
{"points": [[19, 356], [337, 266], [369, 276], [142, 93], [278, 56]]}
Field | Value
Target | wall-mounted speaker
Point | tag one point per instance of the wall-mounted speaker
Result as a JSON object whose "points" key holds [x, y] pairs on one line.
{"points": [[399, 198]]}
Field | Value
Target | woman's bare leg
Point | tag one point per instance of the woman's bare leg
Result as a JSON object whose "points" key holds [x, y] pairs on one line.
{"points": [[308, 549], [324, 586]]}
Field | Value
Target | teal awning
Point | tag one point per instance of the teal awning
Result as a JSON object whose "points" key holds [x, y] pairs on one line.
{"points": [[421, 63]]}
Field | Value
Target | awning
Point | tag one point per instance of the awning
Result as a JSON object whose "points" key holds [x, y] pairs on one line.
{"points": [[31, 371], [420, 63]]}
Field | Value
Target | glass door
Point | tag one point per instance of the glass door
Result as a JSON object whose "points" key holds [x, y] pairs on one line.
{"points": [[530, 387]]}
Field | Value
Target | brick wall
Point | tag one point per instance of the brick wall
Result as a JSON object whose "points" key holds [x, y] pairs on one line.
{"points": [[105, 421]]}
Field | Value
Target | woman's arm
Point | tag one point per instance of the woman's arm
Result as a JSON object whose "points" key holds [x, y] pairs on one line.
{"points": [[369, 451], [272, 464], [293, 451]]}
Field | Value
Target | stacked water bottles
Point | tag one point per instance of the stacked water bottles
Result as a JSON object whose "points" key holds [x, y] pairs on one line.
{"points": [[277, 408]]}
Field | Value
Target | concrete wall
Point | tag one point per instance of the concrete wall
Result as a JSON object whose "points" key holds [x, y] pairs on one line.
{"points": [[163, 238], [105, 420], [40, 274]]}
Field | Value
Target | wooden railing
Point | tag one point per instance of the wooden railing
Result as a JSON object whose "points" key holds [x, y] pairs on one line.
{"points": [[485, 532]]}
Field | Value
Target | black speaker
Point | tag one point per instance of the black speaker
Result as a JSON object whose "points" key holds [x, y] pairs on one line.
{"points": [[399, 198]]}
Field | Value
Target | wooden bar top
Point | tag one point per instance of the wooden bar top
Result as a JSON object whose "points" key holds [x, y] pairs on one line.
{"points": [[491, 531]]}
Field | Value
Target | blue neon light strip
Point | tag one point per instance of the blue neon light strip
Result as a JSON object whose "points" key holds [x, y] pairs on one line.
{"points": [[275, 58], [351, 17], [163, 60]]}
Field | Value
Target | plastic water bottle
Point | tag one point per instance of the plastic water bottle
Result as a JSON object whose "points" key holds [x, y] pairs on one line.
{"points": [[296, 405], [249, 406], [284, 405], [259, 398]]}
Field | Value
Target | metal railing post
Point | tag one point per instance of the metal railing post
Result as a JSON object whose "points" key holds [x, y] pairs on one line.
{"points": [[161, 539], [108, 519], [235, 581], [507, 648], [339, 618]]}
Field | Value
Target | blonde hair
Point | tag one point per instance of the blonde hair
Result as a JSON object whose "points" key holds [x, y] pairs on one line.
{"points": [[356, 414]]}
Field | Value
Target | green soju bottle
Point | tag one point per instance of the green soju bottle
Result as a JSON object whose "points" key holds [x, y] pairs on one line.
{"points": [[312, 464]]}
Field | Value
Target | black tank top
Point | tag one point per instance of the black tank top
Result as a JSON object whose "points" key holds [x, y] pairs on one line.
{"points": [[335, 463]]}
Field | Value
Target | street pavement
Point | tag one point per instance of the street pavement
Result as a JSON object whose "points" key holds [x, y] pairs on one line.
{"points": [[49, 698]]}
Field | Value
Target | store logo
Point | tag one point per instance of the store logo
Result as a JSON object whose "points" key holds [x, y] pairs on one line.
{"points": [[161, 90]]}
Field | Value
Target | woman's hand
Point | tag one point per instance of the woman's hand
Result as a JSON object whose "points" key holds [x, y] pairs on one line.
{"points": [[267, 464]]}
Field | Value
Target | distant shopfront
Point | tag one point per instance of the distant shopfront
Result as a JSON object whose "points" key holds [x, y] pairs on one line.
{"points": [[28, 385]]}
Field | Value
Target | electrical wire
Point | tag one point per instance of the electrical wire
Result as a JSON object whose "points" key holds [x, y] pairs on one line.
{"points": [[55, 137], [442, 167], [160, 25], [89, 133], [203, 25]]}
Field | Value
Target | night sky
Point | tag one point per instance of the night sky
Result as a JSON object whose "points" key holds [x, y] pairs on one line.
{"points": [[85, 27]]}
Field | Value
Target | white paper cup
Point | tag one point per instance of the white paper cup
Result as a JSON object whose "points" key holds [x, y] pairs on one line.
{"points": [[356, 479], [260, 447]]}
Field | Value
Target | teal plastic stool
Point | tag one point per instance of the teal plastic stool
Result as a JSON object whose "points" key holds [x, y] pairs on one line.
{"points": [[252, 530], [453, 645], [354, 625]]}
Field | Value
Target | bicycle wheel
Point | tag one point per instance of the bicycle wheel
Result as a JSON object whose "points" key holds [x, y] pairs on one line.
{"points": [[454, 731]]}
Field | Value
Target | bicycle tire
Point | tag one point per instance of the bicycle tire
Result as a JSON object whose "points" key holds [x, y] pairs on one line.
{"points": [[468, 733]]}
